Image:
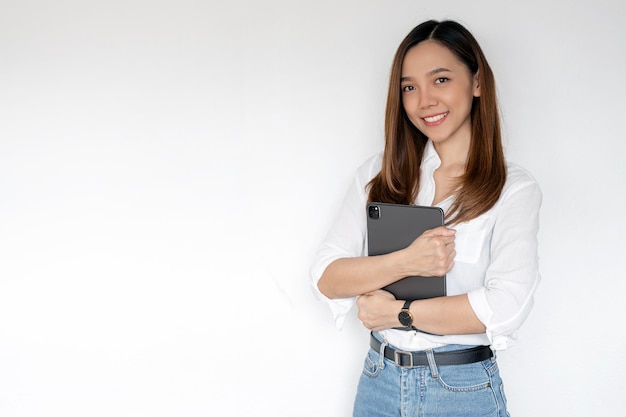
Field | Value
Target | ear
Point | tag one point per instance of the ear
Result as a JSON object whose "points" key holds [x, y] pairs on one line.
{"points": [[476, 86]]}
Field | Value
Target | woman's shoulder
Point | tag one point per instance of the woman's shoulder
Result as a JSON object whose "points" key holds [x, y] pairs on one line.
{"points": [[371, 167], [518, 178]]}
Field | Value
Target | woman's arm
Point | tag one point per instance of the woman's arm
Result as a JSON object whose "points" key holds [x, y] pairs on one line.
{"points": [[431, 254], [378, 310]]}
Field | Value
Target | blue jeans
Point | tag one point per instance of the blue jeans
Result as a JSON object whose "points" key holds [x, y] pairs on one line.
{"points": [[470, 390]]}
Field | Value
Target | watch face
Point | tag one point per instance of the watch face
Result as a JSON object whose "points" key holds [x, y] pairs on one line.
{"points": [[405, 318]]}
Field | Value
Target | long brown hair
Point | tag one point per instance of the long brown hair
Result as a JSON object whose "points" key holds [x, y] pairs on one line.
{"points": [[485, 173]]}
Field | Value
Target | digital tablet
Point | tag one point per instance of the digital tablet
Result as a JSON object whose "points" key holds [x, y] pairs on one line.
{"points": [[391, 227]]}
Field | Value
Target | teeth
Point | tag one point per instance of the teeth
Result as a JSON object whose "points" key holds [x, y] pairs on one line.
{"points": [[435, 118]]}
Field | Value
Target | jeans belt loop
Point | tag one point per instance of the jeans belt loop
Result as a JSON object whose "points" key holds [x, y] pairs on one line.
{"points": [[432, 363]]}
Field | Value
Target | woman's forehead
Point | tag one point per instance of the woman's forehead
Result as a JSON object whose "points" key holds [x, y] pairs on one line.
{"points": [[429, 58]]}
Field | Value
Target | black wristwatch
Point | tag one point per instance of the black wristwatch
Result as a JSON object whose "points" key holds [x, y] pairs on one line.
{"points": [[405, 317]]}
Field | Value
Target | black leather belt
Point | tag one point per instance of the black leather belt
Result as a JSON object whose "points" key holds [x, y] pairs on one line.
{"points": [[406, 359]]}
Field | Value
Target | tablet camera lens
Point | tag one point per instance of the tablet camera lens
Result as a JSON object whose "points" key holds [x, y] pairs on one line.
{"points": [[374, 212]]}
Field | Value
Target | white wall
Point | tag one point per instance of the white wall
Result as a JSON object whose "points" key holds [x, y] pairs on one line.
{"points": [[168, 168]]}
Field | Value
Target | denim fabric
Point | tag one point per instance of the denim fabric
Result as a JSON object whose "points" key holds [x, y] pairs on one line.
{"points": [[471, 390]]}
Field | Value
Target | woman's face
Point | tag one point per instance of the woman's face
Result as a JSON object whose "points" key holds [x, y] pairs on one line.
{"points": [[437, 92]]}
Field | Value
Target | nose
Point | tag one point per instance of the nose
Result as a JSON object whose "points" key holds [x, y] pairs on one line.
{"points": [[426, 98]]}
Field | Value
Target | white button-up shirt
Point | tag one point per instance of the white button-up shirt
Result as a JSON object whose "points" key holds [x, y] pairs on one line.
{"points": [[496, 263]]}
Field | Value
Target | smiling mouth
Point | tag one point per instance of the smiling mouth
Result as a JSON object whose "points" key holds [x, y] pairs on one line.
{"points": [[433, 119]]}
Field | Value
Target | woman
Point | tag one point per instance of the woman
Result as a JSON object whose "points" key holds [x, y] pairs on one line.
{"points": [[442, 148]]}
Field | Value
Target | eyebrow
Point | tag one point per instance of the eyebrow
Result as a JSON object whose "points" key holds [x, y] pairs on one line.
{"points": [[438, 70], [429, 73]]}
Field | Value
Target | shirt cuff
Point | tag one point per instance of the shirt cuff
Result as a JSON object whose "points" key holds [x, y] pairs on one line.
{"points": [[480, 305], [339, 307]]}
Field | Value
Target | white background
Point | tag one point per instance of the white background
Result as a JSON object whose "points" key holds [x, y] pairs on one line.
{"points": [[168, 169]]}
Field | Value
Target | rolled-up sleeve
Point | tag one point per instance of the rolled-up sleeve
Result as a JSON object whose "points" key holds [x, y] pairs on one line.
{"points": [[346, 238], [506, 298]]}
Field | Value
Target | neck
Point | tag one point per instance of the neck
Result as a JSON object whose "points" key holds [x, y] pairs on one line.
{"points": [[453, 153]]}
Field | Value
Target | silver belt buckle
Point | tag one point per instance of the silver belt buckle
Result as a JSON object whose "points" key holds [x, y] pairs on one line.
{"points": [[397, 355]]}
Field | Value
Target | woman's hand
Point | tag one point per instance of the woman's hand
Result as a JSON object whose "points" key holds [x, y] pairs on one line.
{"points": [[378, 310], [430, 255]]}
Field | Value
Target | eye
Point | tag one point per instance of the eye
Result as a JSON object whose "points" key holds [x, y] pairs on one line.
{"points": [[408, 88], [441, 80]]}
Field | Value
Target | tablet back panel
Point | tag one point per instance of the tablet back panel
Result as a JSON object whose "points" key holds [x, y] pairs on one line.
{"points": [[391, 227]]}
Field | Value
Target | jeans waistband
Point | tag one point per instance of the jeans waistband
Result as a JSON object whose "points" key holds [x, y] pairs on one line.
{"points": [[408, 359]]}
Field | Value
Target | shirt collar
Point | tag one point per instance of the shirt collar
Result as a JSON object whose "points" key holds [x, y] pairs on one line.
{"points": [[430, 160]]}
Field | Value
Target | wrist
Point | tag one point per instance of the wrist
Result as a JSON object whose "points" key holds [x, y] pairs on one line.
{"points": [[401, 264]]}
